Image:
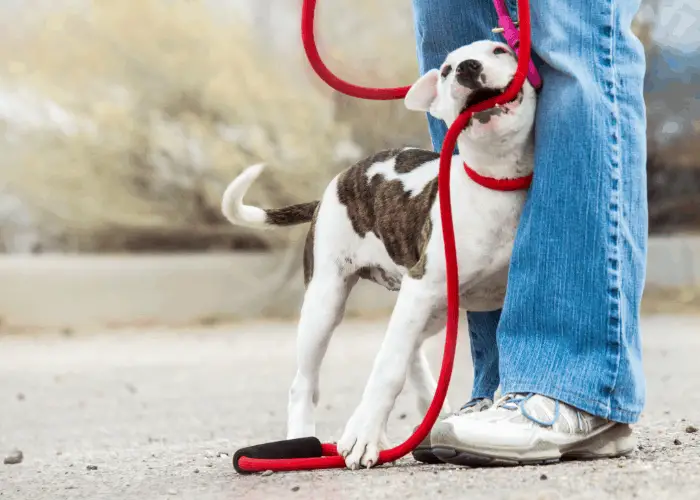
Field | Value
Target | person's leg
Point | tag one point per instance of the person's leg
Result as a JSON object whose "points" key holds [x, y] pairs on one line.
{"points": [[569, 335], [570, 323], [484, 348], [442, 26]]}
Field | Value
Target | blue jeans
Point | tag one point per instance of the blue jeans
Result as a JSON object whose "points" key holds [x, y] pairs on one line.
{"points": [[569, 327]]}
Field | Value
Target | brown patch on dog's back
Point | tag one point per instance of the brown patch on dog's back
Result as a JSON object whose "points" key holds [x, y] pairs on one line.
{"points": [[409, 159], [386, 209]]}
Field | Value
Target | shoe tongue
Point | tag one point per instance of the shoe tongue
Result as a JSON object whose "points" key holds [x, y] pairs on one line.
{"points": [[470, 406]]}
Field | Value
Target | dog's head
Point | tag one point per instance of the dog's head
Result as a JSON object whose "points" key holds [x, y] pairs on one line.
{"points": [[470, 75]]}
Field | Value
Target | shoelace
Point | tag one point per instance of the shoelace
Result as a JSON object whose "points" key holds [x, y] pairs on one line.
{"points": [[515, 402]]}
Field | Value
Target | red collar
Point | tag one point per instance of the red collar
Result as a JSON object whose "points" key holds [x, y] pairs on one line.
{"points": [[516, 184]]}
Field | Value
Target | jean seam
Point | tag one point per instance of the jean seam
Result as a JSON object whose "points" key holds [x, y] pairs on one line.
{"points": [[615, 323]]}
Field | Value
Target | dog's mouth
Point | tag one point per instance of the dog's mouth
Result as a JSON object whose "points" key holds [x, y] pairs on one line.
{"points": [[483, 94]]}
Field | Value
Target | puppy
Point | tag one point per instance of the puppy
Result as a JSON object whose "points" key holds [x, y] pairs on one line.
{"points": [[380, 220]]}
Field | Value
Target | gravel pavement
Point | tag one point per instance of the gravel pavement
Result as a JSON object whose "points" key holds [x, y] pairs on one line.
{"points": [[157, 414]]}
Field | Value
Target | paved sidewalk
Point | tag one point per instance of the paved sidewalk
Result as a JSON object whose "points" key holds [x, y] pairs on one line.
{"points": [[146, 414]]}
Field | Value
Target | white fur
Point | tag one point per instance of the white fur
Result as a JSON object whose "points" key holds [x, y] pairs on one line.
{"points": [[423, 93], [232, 201], [485, 222], [413, 181]]}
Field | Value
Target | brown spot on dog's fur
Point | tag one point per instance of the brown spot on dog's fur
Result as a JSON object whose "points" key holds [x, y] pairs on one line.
{"points": [[356, 195], [418, 271], [309, 248], [386, 209], [486, 115], [381, 277], [409, 159], [291, 215]]}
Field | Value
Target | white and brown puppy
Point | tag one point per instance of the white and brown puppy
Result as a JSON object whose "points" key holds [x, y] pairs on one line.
{"points": [[380, 220]]}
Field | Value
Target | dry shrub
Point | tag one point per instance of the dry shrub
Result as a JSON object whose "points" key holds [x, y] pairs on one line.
{"points": [[152, 106], [156, 106]]}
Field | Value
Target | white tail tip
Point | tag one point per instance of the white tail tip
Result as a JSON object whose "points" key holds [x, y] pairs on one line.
{"points": [[232, 201]]}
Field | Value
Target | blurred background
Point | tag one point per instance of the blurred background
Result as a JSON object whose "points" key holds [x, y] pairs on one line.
{"points": [[143, 339], [123, 121]]}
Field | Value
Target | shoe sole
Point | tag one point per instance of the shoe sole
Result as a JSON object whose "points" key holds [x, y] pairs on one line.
{"points": [[613, 442], [426, 456], [424, 452]]}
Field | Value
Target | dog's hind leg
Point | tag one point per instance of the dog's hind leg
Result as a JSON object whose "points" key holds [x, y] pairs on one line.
{"points": [[322, 310], [423, 382]]}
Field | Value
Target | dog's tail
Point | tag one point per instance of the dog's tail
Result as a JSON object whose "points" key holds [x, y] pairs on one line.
{"points": [[244, 215]]}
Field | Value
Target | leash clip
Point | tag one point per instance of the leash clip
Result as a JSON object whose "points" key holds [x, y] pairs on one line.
{"points": [[509, 28]]}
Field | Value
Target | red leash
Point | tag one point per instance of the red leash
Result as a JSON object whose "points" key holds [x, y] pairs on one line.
{"points": [[310, 453], [308, 11]]}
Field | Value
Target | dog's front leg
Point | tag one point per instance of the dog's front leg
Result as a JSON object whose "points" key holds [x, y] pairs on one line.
{"points": [[416, 304]]}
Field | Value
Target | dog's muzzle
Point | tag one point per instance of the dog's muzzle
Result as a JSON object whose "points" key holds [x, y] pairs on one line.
{"points": [[468, 74]]}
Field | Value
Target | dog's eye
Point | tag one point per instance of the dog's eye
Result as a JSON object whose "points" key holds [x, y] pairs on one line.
{"points": [[446, 70], [499, 50]]}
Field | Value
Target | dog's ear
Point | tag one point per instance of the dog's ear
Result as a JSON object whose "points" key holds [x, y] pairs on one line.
{"points": [[422, 94]]}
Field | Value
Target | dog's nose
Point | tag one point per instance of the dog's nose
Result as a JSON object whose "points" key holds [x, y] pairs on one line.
{"points": [[470, 67], [468, 72]]}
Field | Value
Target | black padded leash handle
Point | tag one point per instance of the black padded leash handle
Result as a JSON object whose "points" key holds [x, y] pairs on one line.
{"points": [[307, 447]]}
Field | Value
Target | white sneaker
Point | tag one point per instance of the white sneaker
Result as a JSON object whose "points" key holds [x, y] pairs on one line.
{"points": [[424, 453], [527, 429]]}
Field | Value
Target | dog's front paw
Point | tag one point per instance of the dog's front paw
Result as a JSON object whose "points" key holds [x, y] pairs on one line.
{"points": [[362, 439]]}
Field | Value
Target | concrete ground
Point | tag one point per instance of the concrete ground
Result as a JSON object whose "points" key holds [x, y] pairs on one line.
{"points": [[157, 414]]}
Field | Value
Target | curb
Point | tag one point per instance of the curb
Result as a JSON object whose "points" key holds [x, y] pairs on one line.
{"points": [[78, 291], [85, 291], [673, 261]]}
